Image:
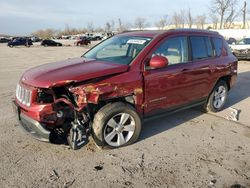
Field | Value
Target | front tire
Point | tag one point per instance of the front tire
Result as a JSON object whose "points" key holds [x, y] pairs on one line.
{"points": [[218, 97], [116, 125]]}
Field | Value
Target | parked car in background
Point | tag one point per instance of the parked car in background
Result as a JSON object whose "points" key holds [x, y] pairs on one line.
{"points": [[241, 49], [48, 42], [35, 39], [231, 40], [20, 42], [109, 90], [82, 41], [95, 38], [4, 40]]}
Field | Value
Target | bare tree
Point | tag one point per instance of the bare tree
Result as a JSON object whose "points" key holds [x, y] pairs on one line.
{"points": [[178, 19], [201, 21], [162, 23], [121, 27], [224, 8], [190, 19], [44, 33], [232, 14], [140, 23], [112, 24], [108, 27], [99, 29], [244, 12], [90, 27], [214, 19]]}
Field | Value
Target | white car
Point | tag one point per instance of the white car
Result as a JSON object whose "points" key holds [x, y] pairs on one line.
{"points": [[241, 49]]}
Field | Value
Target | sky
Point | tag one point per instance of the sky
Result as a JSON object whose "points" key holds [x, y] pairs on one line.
{"points": [[21, 17]]}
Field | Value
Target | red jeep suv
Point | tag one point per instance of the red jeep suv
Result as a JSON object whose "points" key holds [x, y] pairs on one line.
{"points": [[124, 79]]}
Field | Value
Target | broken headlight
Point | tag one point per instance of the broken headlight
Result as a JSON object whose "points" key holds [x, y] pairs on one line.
{"points": [[44, 97]]}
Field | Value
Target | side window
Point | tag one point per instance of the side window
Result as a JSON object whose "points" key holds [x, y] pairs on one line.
{"points": [[217, 46], [200, 50], [247, 41], [174, 49]]}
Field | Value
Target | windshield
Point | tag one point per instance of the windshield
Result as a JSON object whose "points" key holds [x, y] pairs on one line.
{"points": [[244, 41], [118, 49]]}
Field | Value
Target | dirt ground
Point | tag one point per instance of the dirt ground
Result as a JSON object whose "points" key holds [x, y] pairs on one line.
{"points": [[186, 149]]}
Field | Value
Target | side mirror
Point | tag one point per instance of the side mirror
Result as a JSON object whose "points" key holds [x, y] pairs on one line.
{"points": [[158, 61]]}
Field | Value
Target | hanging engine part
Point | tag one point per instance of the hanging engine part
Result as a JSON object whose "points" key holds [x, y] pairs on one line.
{"points": [[79, 131]]}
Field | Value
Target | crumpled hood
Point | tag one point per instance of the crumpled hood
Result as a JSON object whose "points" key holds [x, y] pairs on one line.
{"points": [[71, 70]]}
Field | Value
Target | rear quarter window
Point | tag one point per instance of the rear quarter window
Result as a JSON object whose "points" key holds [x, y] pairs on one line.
{"points": [[218, 43]]}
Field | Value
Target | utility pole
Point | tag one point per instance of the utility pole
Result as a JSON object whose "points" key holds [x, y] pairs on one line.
{"points": [[244, 10]]}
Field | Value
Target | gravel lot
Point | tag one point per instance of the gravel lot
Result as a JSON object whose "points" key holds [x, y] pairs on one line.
{"points": [[186, 149]]}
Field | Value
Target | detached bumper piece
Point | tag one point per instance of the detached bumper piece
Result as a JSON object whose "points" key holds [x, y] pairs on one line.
{"points": [[34, 128]]}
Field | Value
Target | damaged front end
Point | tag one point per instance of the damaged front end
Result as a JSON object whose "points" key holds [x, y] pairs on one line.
{"points": [[68, 122], [66, 111], [51, 114]]}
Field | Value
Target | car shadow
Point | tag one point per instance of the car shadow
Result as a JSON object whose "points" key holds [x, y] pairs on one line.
{"points": [[155, 126], [163, 123]]}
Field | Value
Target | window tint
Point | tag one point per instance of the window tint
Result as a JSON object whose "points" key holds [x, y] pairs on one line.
{"points": [[247, 41], [217, 46], [229, 51], [209, 47], [199, 47], [174, 49]]}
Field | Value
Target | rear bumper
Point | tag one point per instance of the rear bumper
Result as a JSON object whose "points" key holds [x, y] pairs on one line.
{"points": [[33, 127]]}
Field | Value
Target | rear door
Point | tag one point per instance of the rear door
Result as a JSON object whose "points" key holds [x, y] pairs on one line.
{"points": [[203, 65]]}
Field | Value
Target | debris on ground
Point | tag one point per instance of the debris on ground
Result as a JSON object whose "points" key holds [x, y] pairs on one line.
{"points": [[68, 184], [212, 182], [54, 175], [98, 167], [127, 183], [111, 155], [141, 161], [234, 114]]}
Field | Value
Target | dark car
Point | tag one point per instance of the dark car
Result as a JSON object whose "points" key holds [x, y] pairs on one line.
{"points": [[83, 41], [95, 38], [231, 40], [4, 40], [113, 87], [48, 42], [20, 42]]}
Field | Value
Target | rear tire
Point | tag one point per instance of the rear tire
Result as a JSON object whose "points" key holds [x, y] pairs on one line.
{"points": [[218, 97], [116, 125]]}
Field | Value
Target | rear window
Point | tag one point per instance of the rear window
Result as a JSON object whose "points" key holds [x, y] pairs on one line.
{"points": [[201, 47], [217, 46]]}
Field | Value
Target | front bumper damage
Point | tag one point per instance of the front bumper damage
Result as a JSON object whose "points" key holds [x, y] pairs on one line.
{"points": [[31, 126]]}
